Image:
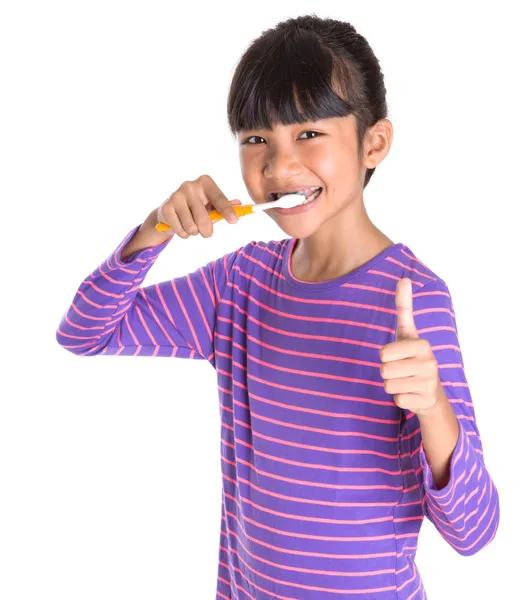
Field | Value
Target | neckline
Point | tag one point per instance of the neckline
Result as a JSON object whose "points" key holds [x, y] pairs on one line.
{"points": [[321, 285]]}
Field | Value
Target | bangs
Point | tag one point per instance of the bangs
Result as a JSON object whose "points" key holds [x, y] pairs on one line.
{"points": [[292, 80]]}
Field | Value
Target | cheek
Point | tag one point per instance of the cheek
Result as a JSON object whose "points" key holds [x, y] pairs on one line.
{"points": [[336, 166], [249, 164], [247, 171], [251, 175], [243, 164]]}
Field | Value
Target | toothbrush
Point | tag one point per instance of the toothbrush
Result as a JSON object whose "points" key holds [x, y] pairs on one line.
{"points": [[287, 201]]}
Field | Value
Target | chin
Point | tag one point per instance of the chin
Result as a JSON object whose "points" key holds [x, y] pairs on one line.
{"points": [[297, 227]]}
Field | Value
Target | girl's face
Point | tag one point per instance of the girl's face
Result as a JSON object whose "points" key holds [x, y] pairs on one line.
{"points": [[293, 157]]}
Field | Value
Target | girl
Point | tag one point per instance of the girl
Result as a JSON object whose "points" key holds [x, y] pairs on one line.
{"points": [[345, 411]]}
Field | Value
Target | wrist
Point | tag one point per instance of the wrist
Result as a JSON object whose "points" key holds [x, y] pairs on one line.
{"points": [[438, 407], [146, 236]]}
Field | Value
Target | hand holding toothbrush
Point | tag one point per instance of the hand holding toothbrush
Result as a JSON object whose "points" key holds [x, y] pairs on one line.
{"points": [[191, 210], [197, 204]]}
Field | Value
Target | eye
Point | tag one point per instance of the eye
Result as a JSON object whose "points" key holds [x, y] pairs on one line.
{"points": [[316, 133], [247, 142]]}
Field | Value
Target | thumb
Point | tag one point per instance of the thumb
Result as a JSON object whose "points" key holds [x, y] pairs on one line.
{"points": [[406, 328]]}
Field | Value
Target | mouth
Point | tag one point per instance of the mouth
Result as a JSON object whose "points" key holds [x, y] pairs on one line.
{"points": [[311, 193]]}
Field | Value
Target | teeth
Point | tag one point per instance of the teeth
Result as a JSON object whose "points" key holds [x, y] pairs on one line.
{"points": [[306, 192], [312, 196]]}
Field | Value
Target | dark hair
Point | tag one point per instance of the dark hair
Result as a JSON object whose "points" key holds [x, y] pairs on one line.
{"points": [[292, 73]]}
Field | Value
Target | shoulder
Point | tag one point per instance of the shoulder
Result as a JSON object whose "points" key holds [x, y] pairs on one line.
{"points": [[264, 253], [260, 249], [250, 258], [432, 301], [410, 265]]}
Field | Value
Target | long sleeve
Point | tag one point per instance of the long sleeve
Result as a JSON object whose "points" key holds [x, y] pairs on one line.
{"points": [[466, 511], [111, 314]]}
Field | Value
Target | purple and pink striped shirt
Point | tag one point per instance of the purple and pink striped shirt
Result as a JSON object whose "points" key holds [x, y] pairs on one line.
{"points": [[325, 480]]}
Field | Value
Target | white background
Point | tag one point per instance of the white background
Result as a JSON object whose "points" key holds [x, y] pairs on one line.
{"points": [[109, 466]]}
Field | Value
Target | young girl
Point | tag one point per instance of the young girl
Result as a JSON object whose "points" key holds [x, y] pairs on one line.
{"points": [[346, 415]]}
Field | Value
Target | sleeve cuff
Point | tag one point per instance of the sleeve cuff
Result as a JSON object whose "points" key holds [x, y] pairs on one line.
{"points": [[457, 466], [144, 254]]}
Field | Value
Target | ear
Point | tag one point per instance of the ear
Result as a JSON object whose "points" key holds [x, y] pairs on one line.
{"points": [[377, 143]]}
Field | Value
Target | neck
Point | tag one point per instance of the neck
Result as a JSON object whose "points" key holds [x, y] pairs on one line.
{"points": [[341, 245]]}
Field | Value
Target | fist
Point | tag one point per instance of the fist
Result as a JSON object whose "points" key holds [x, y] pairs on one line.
{"points": [[409, 368], [187, 211]]}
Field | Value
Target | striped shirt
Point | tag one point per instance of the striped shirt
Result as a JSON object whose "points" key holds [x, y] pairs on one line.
{"points": [[325, 479]]}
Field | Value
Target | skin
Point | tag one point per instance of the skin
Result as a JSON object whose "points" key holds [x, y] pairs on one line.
{"points": [[337, 236]]}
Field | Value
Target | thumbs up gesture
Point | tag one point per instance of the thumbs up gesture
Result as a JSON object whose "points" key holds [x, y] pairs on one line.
{"points": [[409, 368]]}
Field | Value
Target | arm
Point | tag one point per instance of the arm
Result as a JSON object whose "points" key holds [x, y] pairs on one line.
{"points": [[458, 494], [439, 429], [112, 314]]}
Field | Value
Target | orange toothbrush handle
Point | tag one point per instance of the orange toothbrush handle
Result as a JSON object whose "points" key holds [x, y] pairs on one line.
{"points": [[215, 215]]}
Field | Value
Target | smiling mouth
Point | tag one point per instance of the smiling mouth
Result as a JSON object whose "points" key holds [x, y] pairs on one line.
{"points": [[310, 193]]}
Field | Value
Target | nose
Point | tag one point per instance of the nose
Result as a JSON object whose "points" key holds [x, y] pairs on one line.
{"points": [[281, 165]]}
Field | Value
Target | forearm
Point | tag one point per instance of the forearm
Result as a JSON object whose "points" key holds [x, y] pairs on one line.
{"points": [[104, 300], [440, 431], [459, 495]]}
